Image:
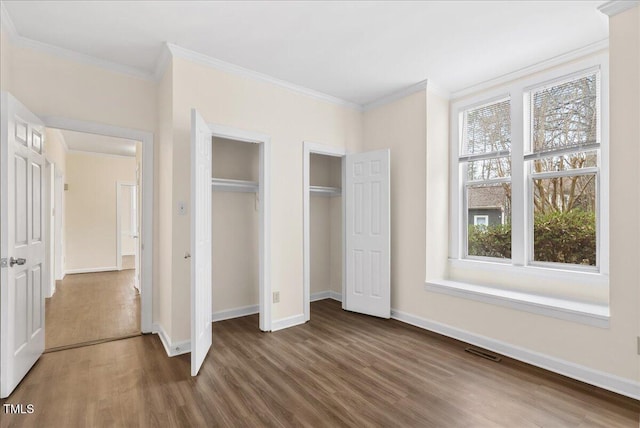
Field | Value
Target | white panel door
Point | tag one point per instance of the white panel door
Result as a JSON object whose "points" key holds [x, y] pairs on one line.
{"points": [[201, 309], [23, 246], [367, 214]]}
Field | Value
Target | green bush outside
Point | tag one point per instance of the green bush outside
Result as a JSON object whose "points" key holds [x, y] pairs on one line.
{"points": [[561, 237]]}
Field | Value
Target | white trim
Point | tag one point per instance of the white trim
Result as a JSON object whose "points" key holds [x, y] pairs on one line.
{"points": [[597, 378], [264, 196], [394, 96], [91, 270], [438, 90], [614, 7], [146, 226], [323, 295], [228, 314], [584, 313], [172, 349], [320, 295], [309, 147], [180, 52], [106, 155], [287, 322], [162, 63], [7, 22], [535, 68]]}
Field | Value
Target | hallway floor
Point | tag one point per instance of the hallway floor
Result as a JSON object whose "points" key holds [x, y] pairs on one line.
{"points": [[92, 306]]}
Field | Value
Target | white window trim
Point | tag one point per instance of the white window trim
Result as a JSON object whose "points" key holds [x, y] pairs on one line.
{"points": [[519, 178]]}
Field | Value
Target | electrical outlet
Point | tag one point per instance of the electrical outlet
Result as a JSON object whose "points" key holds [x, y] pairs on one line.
{"points": [[276, 297]]}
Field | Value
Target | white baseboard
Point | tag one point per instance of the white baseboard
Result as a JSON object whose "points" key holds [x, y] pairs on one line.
{"points": [[321, 295], [128, 254], [597, 378], [91, 270], [172, 349], [235, 313], [287, 322]]}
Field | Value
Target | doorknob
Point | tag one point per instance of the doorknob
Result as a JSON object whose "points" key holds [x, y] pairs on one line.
{"points": [[18, 261]]}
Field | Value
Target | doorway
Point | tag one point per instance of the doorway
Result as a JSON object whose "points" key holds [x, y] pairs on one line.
{"points": [[97, 297], [240, 225], [323, 224]]}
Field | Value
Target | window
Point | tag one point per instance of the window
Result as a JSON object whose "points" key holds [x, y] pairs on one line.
{"points": [[486, 171], [528, 173]]}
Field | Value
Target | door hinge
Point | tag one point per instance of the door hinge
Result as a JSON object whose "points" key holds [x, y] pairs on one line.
{"points": [[3, 262]]}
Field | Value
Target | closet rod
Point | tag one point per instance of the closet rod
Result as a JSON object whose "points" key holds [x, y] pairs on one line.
{"points": [[229, 185]]}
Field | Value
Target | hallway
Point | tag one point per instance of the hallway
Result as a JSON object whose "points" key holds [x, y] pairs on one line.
{"points": [[92, 306]]}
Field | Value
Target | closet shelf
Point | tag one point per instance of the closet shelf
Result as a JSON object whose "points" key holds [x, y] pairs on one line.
{"points": [[325, 191], [229, 185]]}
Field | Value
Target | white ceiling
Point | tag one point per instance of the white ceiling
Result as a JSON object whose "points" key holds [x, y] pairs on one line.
{"points": [[83, 142], [358, 51]]}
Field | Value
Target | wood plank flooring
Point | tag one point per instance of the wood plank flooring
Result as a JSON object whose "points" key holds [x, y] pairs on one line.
{"points": [[340, 369], [92, 306]]}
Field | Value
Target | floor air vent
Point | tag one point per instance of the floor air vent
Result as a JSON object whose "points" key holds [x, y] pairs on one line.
{"points": [[483, 354]]}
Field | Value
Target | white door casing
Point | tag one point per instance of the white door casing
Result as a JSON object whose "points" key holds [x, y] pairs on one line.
{"points": [[367, 217], [22, 237], [201, 250]]}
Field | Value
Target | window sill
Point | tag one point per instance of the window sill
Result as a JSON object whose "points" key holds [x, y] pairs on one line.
{"points": [[584, 313]]}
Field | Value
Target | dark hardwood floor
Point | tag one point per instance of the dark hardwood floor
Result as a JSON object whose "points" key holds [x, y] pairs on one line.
{"points": [[92, 306], [340, 369]]}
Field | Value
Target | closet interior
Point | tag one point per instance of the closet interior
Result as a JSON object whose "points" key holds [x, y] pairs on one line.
{"points": [[235, 228], [325, 223]]}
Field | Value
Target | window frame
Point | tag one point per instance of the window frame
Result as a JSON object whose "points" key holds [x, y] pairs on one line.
{"points": [[520, 92]]}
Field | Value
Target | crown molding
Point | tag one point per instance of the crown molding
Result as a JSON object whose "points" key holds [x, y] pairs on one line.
{"points": [[438, 90], [540, 66], [180, 52], [6, 23], [404, 92], [162, 63], [68, 54], [100, 154], [614, 7]]}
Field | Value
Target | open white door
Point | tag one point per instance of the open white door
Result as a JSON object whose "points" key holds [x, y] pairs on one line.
{"points": [[23, 248], [367, 215], [201, 309]]}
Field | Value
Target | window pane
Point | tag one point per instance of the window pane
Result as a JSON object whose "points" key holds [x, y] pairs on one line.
{"points": [[488, 128], [565, 115], [489, 220], [567, 162], [564, 223], [489, 169]]}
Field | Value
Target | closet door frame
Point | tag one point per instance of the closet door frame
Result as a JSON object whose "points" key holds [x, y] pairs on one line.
{"points": [[321, 149], [264, 195]]}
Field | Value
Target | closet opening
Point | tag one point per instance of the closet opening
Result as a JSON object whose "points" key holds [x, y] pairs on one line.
{"points": [[237, 229], [323, 224]]}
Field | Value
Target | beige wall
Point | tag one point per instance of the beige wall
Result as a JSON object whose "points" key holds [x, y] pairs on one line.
{"points": [[401, 126], [90, 209], [54, 148], [5, 59], [163, 198], [289, 119]]}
